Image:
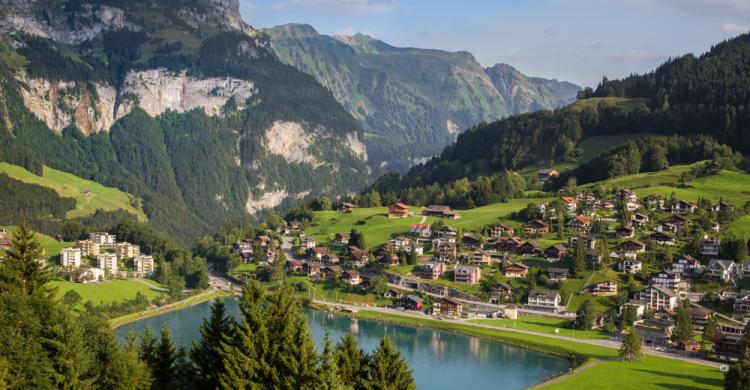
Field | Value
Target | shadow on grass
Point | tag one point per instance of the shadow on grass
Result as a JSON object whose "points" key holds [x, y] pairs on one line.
{"points": [[718, 382]]}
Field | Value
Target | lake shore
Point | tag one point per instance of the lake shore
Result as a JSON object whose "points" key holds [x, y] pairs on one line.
{"points": [[117, 322]]}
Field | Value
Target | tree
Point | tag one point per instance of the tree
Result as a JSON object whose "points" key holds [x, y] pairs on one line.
{"points": [[629, 316], [585, 316], [683, 331], [206, 355], [21, 266], [351, 362], [387, 369], [165, 358], [579, 257], [631, 348], [709, 332], [738, 376], [71, 298], [379, 284], [413, 258], [329, 372]]}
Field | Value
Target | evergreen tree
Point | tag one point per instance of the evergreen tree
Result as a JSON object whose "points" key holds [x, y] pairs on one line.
{"points": [[683, 331], [206, 355], [329, 372], [387, 369], [738, 376], [631, 348], [21, 266], [585, 316], [148, 348], [629, 316], [164, 364], [579, 258], [709, 332], [351, 362]]}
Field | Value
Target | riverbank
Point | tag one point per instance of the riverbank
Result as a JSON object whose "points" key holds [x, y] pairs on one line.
{"points": [[194, 300]]}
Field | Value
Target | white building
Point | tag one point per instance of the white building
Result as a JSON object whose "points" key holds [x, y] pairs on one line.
{"points": [[658, 297], [105, 240], [126, 250], [544, 300], [91, 275], [144, 264], [721, 269], [107, 262], [70, 258], [630, 266]]}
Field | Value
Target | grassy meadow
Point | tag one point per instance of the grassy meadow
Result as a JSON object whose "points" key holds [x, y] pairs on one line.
{"points": [[106, 292]]}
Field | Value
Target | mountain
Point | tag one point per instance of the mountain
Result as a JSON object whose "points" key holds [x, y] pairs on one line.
{"points": [[177, 102], [410, 102], [688, 97]]}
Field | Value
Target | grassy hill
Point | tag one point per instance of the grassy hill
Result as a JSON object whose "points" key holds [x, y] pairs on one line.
{"points": [[50, 246], [106, 292], [71, 186]]}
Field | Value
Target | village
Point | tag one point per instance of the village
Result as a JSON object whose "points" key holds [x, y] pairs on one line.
{"points": [[101, 257]]}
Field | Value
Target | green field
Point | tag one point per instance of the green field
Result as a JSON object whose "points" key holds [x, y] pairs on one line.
{"points": [[50, 246], [71, 186], [106, 292], [545, 325]]}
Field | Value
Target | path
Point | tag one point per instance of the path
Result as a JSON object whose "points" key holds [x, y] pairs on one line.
{"points": [[423, 220], [567, 375], [152, 286]]}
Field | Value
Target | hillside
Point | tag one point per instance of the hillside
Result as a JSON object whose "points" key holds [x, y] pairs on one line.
{"points": [[178, 103], [411, 102]]}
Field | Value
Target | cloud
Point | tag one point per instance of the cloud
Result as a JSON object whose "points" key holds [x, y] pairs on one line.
{"points": [[702, 7], [734, 28], [361, 7]]}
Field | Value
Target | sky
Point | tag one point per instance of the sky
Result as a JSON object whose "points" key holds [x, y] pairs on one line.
{"points": [[575, 40]]}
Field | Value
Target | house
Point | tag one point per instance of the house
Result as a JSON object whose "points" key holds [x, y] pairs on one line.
{"points": [[392, 293], [417, 248], [358, 257], [399, 242], [508, 244], [632, 248], [125, 250], [729, 347], [547, 173], [745, 270], [543, 300], [144, 264], [721, 206], [410, 302], [105, 240], [654, 202], [5, 243], [347, 207], [467, 274], [657, 297], [586, 197], [244, 249], [440, 211], [639, 220], [742, 303], [570, 203], [90, 275], [593, 257], [624, 232], [390, 259], [626, 195], [501, 230], [629, 266], [555, 252], [710, 247], [686, 265], [448, 307], [329, 259], [605, 289], [589, 241], [604, 204], [89, 248], [480, 257], [515, 270], [654, 332], [678, 220], [529, 249], [311, 269], [537, 227], [107, 262], [723, 270], [640, 307], [682, 207], [558, 274], [470, 241], [699, 317], [430, 270], [666, 227], [668, 279], [341, 239], [308, 242], [715, 227], [70, 258], [421, 229], [351, 277], [317, 253], [447, 252], [663, 238], [500, 292], [330, 272], [398, 210], [579, 222], [264, 241], [295, 266]]}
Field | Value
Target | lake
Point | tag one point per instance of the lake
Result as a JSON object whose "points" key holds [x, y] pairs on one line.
{"points": [[440, 359]]}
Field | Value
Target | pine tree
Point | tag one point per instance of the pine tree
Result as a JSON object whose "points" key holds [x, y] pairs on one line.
{"points": [[631, 348], [738, 376], [164, 363], [206, 355], [683, 328], [585, 316], [148, 347], [351, 362], [709, 332], [579, 259], [387, 369], [21, 266]]}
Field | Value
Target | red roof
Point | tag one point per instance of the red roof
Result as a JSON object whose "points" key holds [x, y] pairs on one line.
{"points": [[400, 206], [568, 199]]}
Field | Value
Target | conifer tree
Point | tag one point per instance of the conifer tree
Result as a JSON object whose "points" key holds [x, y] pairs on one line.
{"points": [[579, 259], [148, 347], [164, 363], [631, 348], [709, 332], [683, 328], [329, 373], [387, 369], [21, 266], [351, 362], [206, 355]]}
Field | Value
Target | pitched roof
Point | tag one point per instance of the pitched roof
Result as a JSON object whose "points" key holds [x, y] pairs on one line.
{"points": [[543, 294]]}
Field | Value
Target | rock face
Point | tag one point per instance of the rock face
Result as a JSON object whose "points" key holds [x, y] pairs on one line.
{"points": [[523, 93], [290, 141]]}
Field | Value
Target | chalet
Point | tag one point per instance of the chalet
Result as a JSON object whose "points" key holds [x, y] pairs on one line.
{"points": [[447, 252], [398, 210], [632, 248], [502, 230], [626, 195], [593, 257], [530, 249], [605, 289], [480, 257], [557, 274], [639, 220], [351, 277], [537, 227], [654, 332], [311, 269], [604, 204], [417, 248], [555, 252], [745, 270], [666, 227], [91, 274], [742, 303], [448, 307], [710, 247], [579, 222], [330, 272], [515, 270], [330, 259], [682, 207], [295, 266], [342, 239], [586, 197], [470, 241], [723, 270], [589, 241], [570, 203], [678, 220], [410, 302], [686, 265], [624, 232], [390, 259], [317, 253], [500, 292], [295, 225], [699, 317], [547, 173], [399, 242], [440, 211], [467, 274], [421, 230], [629, 266], [264, 241], [430, 270], [508, 244], [721, 206], [657, 297], [347, 207], [663, 238], [308, 242], [668, 279], [654, 202], [543, 300], [392, 293], [358, 257], [242, 248], [729, 347]]}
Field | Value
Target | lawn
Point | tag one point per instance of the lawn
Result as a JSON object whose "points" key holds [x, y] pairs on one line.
{"points": [[545, 325], [50, 246], [106, 292], [71, 186], [329, 291]]}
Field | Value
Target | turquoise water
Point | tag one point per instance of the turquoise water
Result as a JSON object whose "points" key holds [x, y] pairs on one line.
{"points": [[440, 359]]}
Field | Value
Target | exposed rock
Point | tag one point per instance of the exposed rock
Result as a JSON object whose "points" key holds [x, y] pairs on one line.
{"points": [[356, 146], [291, 141], [452, 127], [266, 201]]}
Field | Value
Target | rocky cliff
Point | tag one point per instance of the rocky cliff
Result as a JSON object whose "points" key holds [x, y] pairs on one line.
{"points": [[523, 93]]}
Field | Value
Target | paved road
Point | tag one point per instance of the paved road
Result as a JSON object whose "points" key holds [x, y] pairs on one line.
{"points": [[152, 286], [286, 246]]}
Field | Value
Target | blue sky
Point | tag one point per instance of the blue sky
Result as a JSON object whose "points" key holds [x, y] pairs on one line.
{"points": [[575, 40]]}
